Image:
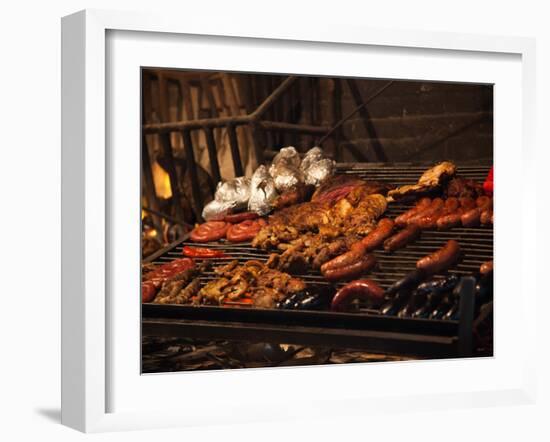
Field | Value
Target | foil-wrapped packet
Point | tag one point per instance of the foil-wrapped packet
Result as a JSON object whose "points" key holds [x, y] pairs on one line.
{"points": [[286, 178], [285, 169], [312, 156], [262, 192], [316, 167], [319, 172], [287, 156], [230, 196]]}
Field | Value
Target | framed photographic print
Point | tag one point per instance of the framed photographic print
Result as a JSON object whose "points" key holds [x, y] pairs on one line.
{"points": [[255, 214]]}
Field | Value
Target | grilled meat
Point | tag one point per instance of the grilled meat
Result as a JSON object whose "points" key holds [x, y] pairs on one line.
{"points": [[180, 288], [308, 251], [463, 188], [253, 281], [430, 180], [301, 193], [356, 214], [338, 186]]}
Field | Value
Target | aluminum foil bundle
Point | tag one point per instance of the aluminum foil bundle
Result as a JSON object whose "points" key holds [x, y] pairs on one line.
{"points": [[316, 167], [230, 196], [287, 156], [262, 192], [285, 169], [312, 156]]}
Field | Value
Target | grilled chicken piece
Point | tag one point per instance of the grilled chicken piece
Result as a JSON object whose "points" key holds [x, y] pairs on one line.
{"points": [[355, 214], [430, 180]]}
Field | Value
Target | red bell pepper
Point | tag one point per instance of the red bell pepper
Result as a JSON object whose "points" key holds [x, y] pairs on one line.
{"points": [[202, 252], [488, 185]]}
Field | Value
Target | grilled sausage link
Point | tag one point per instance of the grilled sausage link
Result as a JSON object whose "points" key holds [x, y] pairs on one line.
{"points": [[472, 217], [402, 238], [357, 250], [375, 238], [435, 206], [467, 203], [363, 265], [486, 267], [486, 216], [441, 259], [449, 221], [360, 289], [422, 204]]}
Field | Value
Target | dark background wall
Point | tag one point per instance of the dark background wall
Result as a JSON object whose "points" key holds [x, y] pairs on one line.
{"points": [[424, 121]]}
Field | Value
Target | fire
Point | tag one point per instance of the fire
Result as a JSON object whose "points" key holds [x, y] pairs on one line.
{"points": [[162, 181]]}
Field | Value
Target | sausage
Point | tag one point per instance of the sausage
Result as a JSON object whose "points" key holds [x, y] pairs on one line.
{"points": [[471, 218], [244, 231], [467, 203], [357, 250], [148, 291], [449, 221], [435, 206], [486, 267], [402, 238], [421, 205], [441, 259], [364, 264], [240, 217], [451, 205], [484, 201], [430, 221], [486, 216], [365, 289], [375, 238], [209, 231]]}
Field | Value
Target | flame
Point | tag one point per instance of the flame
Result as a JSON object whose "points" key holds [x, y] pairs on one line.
{"points": [[162, 181]]}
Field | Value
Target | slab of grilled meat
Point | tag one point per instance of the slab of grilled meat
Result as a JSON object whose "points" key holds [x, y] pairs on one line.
{"points": [[430, 180], [311, 250], [252, 282], [339, 186], [354, 214]]}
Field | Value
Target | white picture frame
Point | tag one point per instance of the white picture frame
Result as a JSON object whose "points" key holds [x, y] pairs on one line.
{"points": [[88, 228]]}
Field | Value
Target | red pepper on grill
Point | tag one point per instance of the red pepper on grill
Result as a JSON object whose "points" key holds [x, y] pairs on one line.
{"points": [[202, 252], [488, 185]]}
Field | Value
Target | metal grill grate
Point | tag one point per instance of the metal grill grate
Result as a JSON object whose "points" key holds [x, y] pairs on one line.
{"points": [[476, 243], [364, 329]]}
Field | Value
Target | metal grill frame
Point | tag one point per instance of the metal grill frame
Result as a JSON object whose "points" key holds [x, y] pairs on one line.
{"points": [[366, 329]]}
